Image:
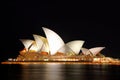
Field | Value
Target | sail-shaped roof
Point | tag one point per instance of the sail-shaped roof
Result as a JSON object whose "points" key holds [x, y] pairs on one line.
{"points": [[75, 45], [45, 46], [66, 50], [54, 40], [34, 47], [53, 43], [85, 51], [96, 50], [27, 43], [38, 41]]}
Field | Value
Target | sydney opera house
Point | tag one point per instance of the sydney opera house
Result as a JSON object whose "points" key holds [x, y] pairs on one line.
{"points": [[53, 48]]}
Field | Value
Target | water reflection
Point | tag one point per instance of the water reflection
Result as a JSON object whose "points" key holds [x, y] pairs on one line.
{"points": [[55, 71], [43, 72]]}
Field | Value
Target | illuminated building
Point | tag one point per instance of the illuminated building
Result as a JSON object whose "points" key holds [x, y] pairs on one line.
{"points": [[53, 48]]}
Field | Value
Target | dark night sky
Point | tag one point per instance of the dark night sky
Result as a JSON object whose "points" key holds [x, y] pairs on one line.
{"points": [[95, 22]]}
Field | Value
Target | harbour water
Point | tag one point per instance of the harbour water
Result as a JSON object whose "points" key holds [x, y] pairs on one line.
{"points": [[54, 71]]}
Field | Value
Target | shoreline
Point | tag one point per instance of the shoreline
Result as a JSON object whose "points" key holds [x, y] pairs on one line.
{"points": [[59, 62]]}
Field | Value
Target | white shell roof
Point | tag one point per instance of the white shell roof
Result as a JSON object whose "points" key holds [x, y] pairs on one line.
{"points": [[45, 46], [66, 50], [54, 43], [96, 50], [75, 45], [85, 51], [38, 41], [27, 43], [34, 47], [54, 40]]}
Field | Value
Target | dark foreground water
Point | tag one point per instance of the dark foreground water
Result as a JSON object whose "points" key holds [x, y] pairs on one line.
{"points": [[59, 72]]}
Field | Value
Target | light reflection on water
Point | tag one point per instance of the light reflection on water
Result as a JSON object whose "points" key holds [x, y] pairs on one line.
{"points": [[43, 72], [62, 72]]}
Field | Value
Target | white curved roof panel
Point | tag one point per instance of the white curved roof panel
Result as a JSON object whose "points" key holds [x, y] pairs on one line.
{"points": [[96, 50], [38, 41], [54, 40], [34, 47], [27, 43], [85, 51], [45, 46], [75, 45], [66, 50]]}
